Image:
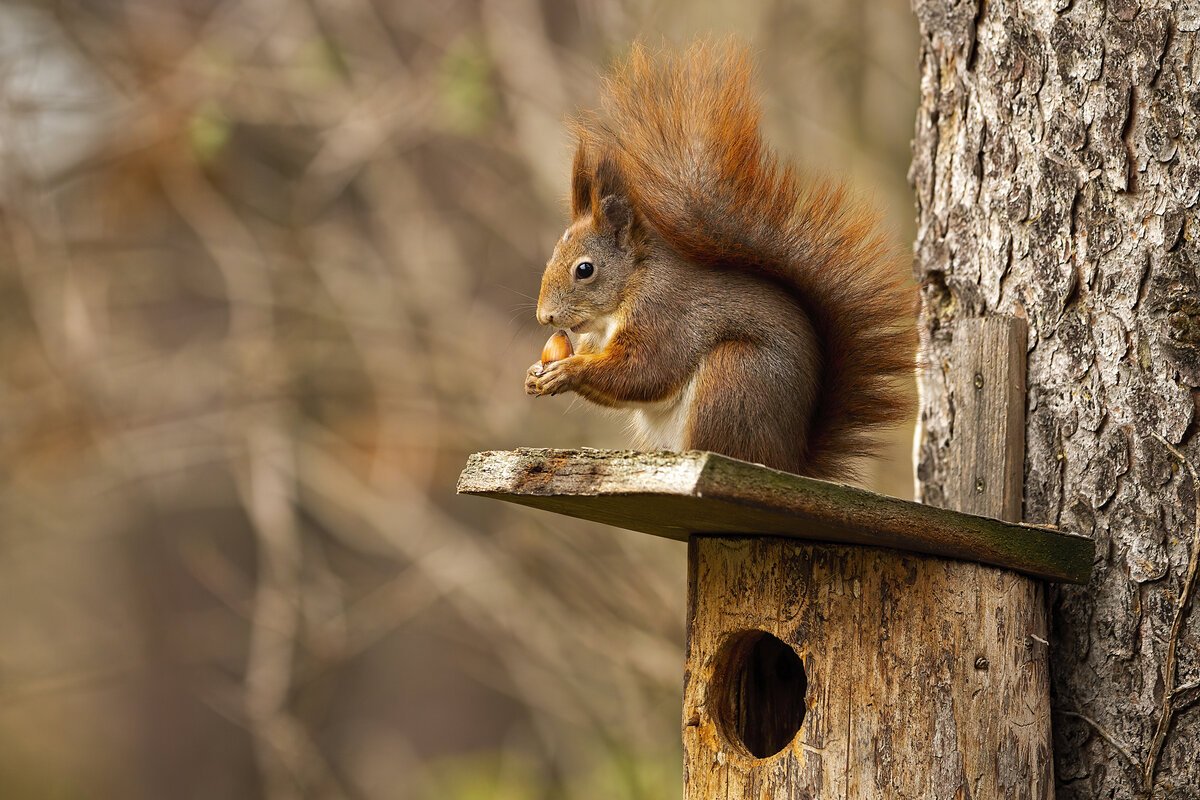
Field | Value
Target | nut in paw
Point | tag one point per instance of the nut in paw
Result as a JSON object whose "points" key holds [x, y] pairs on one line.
{"points": [[551, 379]]}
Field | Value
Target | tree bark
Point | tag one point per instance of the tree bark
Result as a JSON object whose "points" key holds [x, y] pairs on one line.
{"points": [[1057, 170]]}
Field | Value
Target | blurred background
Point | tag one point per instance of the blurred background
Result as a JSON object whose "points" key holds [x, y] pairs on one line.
{"points": [[267, 275]]}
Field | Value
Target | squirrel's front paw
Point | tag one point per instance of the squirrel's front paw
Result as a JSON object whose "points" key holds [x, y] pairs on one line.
{"points": [[551, 379]]}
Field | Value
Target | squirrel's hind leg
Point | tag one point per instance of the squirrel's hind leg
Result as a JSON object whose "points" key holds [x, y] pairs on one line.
{"points": [[750, 404]]}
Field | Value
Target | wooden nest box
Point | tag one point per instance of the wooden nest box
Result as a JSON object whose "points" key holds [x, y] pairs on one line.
{"points": [[842, 644]]}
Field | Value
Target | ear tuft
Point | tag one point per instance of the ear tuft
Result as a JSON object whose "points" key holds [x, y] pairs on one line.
{"points": [[611, 207], [608, 181], [581, 183]]}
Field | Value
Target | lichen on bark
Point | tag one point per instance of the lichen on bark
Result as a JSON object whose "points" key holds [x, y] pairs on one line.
{"points": [[1057, 173]]}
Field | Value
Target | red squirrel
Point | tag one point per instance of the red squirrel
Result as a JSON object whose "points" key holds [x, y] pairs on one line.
{"points": [[729, 304]]}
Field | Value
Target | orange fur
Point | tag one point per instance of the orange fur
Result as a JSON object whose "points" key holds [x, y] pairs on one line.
{"points": [[683, 132]]}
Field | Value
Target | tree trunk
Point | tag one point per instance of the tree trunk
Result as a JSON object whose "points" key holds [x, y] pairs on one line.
{"points": [[1057, 167]]}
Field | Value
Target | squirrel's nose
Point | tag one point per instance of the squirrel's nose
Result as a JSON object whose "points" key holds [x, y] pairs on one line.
{"points": [[545, 318]]}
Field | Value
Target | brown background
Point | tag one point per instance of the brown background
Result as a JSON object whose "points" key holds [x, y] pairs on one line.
{"points": [[266, 278]]}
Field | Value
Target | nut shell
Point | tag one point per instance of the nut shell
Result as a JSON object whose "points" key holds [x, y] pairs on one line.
{"points": [[557, 348]]}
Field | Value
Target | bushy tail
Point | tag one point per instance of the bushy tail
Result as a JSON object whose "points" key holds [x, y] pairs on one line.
{"points": [[684, 129]]}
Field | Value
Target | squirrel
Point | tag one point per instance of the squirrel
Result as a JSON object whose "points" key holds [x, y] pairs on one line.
{"points": [[731, 305]]}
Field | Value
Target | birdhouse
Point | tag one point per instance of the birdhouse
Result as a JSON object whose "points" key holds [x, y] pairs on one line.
{"points": [[841, 643]]}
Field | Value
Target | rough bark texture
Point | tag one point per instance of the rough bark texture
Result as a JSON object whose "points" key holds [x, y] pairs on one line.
{"points": [[1057, 170]]}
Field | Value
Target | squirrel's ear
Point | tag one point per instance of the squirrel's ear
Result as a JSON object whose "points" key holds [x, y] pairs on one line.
{"points": [[608, 180], [581, 184], [612, 210], [616, 216]]}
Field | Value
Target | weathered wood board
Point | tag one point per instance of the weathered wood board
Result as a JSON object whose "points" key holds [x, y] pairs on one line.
{"points": [[987, 451], [924, 680], [680, 494]]}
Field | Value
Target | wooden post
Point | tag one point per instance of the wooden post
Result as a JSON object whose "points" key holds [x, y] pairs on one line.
{"points": [[921, 677], [987, 384], [842, 644]]}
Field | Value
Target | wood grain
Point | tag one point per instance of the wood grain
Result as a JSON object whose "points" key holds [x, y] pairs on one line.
{"points": [[918, 674], [679, 494], [987, 451], [924, 678]]}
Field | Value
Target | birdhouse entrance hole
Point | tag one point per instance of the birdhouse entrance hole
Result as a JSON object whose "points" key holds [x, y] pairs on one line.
{"points": [[760, 687]]}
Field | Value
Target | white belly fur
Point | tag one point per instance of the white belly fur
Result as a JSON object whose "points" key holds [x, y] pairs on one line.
{"points": [[662, 425]]}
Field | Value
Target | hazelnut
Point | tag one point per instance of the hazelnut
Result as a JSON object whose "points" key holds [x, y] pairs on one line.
{"points": [[557, 348]]}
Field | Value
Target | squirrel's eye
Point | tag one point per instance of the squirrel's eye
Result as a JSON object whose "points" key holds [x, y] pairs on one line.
{"points": [[584, 270]]}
